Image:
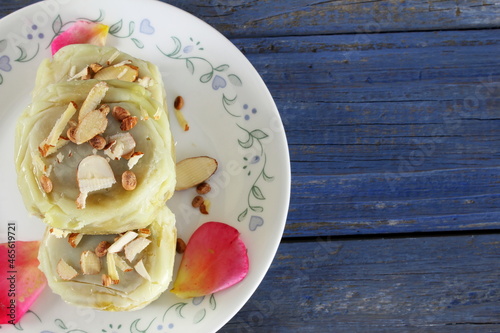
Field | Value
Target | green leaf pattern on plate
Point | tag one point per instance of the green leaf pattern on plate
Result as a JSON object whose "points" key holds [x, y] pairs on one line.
{"points": [[217, 77]]}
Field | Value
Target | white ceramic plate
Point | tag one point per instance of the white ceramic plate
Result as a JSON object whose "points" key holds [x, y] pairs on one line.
{"points": [[232, 118]]}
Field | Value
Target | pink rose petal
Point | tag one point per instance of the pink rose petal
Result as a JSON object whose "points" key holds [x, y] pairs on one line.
{"points": [[215, 259], [21, 282], [81, 32]]}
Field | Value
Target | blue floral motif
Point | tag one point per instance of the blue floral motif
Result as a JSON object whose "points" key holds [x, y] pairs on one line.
{"points": [[255, 222], [218, 82], [146, 27], [5, 64]]}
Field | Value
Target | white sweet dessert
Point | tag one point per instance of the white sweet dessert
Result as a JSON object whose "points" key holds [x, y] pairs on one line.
{"points": [[94, 153], [128, 275]]}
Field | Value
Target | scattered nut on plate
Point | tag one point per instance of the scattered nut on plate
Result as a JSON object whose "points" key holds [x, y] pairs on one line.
{"points": [[194, 170]]}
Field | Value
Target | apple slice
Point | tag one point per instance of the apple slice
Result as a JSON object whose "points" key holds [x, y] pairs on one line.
{"points": [[21, 281], [215, 259], [81, 32]]}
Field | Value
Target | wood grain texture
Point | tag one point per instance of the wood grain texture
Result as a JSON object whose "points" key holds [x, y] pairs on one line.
{"points": [[398, 133], [426, 284], [392, 116], [247, 18]]}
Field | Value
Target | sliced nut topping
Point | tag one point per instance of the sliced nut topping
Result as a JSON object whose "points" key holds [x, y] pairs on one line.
{"points": [[71, 134], [203, 188], [106, 280], [120, 144], [205, 207], [120, 113], [74, 239], [141, 269], [129, 180], [112, 272], [178, 103], [94, 123], [60, 157], [113, 57], [197, 201], [102, 249], [123, 240], [134, 159], [123, 62], [122, 264], [94, 98], [135, 247], [90, 263], [144, 232], [98, 142], [124, 72], [93, 174], [158, 114], [46, 184], [58, 233], [65, 271], [55, 133], [95, 67], [180, 246], [145, 81], [84, 74], [193, 171], [128, 123], [49, 150], [183, 123]]}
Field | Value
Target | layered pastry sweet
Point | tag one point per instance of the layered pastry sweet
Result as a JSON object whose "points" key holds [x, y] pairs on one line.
{"points": [[95, 161], [83, 134], [111, 272]]}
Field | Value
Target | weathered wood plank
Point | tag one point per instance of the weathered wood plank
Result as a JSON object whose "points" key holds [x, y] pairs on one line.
{"points": [[249, 18], [434, 201], [397, 97], [382, 285]]}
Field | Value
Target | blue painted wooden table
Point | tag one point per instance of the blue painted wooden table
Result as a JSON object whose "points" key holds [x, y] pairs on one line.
{"points": [[392, 112]]}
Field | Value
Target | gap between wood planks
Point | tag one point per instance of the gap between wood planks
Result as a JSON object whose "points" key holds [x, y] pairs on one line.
{"points": [[306, 239]]}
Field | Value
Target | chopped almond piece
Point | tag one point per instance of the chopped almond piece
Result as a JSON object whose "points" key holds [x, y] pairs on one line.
{"points": [[144, 232], [129, 181], [93, 99], [120, 113], [59, 233], [46, 184], [183, 123], [90, 263], [74, 239], [55, 133], [94, 173], [95, 67], [205, 207], [102, 249], [49, 150], [98, 142], [120, 144], [134, 159], [120, 243], [112, 272], [106, 280], [65, 271], [124, 72], [193, 171], [94, 123], [128, 123], [135, 247], [141, 269], [122, 264]]}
